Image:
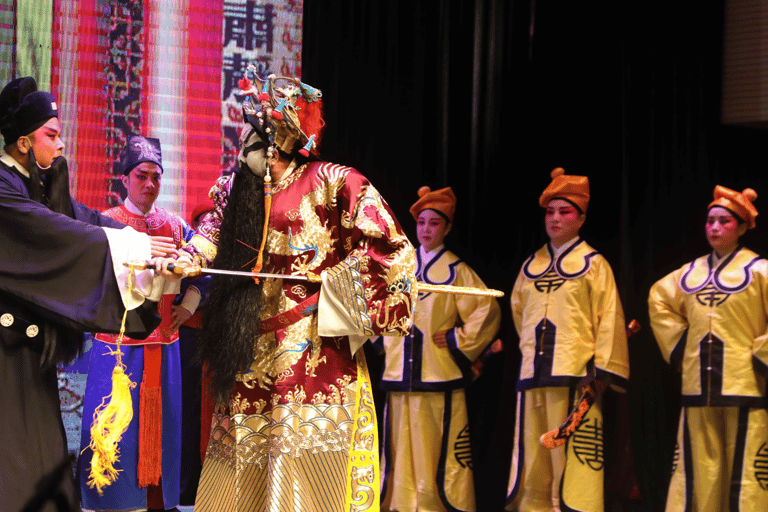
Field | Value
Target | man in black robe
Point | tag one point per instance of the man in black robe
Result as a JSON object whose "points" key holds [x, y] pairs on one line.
{"points": [[60, 275]]}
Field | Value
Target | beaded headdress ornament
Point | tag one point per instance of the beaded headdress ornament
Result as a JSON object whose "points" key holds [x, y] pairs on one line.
{"points": [[287, 113]]}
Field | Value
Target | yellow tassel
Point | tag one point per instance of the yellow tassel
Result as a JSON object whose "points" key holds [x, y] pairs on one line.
{"points": [[111, 420]]}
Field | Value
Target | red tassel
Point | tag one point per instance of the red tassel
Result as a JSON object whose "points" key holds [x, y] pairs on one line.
{"points": [[263, 96], [150, 436], [277, 115], [304, 152]]}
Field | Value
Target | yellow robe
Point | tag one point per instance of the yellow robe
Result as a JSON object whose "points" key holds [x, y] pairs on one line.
{"points": [[711, 322], [427, 463], [570, 321]]}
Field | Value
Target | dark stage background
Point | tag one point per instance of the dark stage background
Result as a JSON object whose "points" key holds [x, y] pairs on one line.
{"points": [[488, 97]]}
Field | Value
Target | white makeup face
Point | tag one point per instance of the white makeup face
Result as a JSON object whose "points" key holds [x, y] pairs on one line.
{"points": [[562, 221], [723, 230], [431, 228], [253, 151]]}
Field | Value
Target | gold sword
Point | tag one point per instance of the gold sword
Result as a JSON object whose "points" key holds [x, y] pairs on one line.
{"points": [[192, 270]]}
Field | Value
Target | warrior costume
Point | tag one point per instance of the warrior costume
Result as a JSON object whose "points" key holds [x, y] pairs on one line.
{"points": [[154, 359], [299, 430], [711, 320], [568, 314], [427, 462]]}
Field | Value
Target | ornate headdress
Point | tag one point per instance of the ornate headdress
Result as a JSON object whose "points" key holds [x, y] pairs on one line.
{"points": [[286, 111], [288, 114]]}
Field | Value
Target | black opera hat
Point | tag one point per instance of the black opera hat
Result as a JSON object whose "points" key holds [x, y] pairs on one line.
{"points": [[24, 109], [140, 149]]}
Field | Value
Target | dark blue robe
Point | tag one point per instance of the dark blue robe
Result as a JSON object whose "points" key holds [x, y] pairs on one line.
{"points": [[55, 271]]}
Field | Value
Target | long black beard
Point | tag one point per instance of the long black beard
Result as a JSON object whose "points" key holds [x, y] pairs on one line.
{"points": [[231, 318]]}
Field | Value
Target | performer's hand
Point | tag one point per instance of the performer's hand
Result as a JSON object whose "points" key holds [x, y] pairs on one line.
{"points": [[162, 246], [180, 315], [439, 339], [161, 268]]}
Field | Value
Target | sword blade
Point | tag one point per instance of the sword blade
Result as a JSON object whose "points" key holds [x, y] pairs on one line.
{"points": [[251, 274], [422, 287], [458, 290]]}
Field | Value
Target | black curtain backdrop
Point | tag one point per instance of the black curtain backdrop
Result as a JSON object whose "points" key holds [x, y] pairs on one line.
{"points": [[488, 97]]}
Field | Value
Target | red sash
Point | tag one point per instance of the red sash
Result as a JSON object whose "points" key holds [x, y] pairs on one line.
{"points": [[293, 315]]}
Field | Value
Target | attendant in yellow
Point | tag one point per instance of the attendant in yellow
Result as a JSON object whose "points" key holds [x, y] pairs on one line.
{"points": [[710, 319], [427, 462], [569, 318]]}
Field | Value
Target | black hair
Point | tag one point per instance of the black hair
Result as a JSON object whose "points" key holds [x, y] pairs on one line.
{"points": [[444, 216], [736, 216], [231, 316], [578, 209]]}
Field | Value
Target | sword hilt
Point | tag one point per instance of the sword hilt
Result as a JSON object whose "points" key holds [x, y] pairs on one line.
{"points": [[181, 268]]}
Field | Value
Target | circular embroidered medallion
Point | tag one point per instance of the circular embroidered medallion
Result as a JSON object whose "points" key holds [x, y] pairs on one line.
{"points": [[6, 320], [32, 331]]}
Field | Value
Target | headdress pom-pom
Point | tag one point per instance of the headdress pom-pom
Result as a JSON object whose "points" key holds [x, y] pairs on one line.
{"points": [[558, 171], [278, 112], [749, 194], [424, 191], [307, 147]]}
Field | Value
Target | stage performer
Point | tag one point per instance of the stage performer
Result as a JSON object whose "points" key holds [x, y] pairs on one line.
{"points": [[569, 318], [710, 319], [61, 274], [295, 427], [427, 461], [150, 449]]}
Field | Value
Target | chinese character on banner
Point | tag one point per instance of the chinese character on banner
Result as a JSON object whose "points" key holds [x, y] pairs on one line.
{"points": [[266, 34]]}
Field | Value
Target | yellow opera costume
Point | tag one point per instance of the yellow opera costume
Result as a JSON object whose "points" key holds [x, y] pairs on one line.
{"points": [[710, 320], [427, 462], [299, 431], [568, 314]]}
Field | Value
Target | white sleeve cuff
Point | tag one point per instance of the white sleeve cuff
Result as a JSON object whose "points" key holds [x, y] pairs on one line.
{"points": [[336, 315], [126, 245], [191, 300]]}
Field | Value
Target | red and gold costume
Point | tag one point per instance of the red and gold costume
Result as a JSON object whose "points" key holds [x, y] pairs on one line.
{"points": [[299, 431]]}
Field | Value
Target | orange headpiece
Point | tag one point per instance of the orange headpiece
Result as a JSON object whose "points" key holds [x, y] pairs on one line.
{"points": [[443, 201], [571, 188], [739, 203]]}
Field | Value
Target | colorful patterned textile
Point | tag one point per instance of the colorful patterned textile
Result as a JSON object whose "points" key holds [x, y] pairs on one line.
{"points": [[143, 366]]}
